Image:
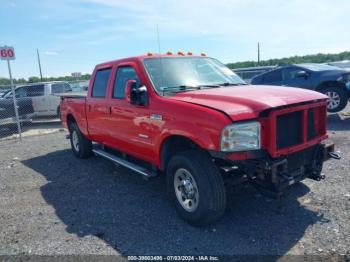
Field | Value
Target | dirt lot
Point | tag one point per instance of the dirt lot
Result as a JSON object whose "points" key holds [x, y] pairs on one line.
{"points": [[52, 203]]}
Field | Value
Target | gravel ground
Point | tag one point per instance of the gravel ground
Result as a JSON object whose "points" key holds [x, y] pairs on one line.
{"points": [[52, 203]]}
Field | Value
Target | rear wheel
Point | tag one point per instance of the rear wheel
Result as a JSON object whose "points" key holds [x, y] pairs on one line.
{"points": [[81, 146], [195, 185], [337, 98]]}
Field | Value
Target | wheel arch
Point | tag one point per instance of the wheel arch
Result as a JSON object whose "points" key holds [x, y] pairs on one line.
{"points": [[70, 120], [326, 84], [173, 144]]}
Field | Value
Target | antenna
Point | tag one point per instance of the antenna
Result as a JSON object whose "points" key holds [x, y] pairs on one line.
{"points": [[258, 53], [158, 39], [160, 60], [41, 74]]}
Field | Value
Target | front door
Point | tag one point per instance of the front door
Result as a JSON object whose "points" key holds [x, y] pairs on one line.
{"points": [[129, 125], [291, 78]]}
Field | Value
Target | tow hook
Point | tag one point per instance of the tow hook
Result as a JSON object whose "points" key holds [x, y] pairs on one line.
{"points": [[318, 177], [334, 155]]}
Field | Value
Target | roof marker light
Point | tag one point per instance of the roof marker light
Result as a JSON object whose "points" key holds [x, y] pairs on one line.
{"points": [[180, 53], [189, 53], [149, 54], [203, 54], [169, 53]]}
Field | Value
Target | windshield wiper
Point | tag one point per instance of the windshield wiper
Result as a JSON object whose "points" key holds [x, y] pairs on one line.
{"points": [[231, 84], [184, 88], [180, 88]]}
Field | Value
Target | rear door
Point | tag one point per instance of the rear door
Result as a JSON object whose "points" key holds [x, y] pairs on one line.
{"points": [[37, 94], [97, 110]]}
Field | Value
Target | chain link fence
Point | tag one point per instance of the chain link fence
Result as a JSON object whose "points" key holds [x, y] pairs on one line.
{"points": [[37, 106]]}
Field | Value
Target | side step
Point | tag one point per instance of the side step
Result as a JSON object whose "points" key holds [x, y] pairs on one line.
{"points": [[120, 161]]}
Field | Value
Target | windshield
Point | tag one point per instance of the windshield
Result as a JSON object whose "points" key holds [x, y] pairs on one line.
{"points": [[169, 73], [319, 67]]}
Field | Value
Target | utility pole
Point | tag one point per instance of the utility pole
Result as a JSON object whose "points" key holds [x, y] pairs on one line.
{"points": [[41, 75], [258, 53]]}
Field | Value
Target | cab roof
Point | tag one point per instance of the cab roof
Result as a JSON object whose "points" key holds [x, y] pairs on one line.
{"points": [[140, 58]]}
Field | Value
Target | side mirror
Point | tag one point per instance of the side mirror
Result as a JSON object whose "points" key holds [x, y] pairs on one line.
{"points": [[302, 74], [136, 95], [130, 85]]}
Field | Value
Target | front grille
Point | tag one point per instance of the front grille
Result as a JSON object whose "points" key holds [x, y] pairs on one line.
{"points": [[289, 126], [311, 129], [289, 129]]}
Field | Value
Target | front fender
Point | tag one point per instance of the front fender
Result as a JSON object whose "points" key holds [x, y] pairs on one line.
{"points": [[204, 138]]}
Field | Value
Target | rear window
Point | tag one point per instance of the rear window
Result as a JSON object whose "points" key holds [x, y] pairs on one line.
{"points": [[100, 84], [34, 90]]}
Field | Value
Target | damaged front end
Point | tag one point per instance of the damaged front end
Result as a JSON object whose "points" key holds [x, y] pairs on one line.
{"points": [[273, 176]]}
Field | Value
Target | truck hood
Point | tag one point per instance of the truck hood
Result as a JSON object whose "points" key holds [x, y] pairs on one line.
{"points": [[247, 102]]}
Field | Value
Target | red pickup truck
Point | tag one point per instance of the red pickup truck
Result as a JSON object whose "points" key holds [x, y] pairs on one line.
{"points": [[195, 121]]}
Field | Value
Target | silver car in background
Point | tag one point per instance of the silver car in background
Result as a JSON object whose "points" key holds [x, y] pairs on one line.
{"points": [[44, 96]]}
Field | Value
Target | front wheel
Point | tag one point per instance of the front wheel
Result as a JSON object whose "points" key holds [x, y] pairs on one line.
{"points": [[196, 187], [337, 98]]}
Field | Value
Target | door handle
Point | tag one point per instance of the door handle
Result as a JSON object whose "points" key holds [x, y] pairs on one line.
{"points": [[89, 108], [110, 110]]}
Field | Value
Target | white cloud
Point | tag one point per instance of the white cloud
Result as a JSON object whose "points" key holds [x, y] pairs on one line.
{"points": [[50, 53], [284, 27]]}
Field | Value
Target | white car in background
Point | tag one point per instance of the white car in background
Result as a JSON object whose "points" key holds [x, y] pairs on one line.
{"points": [[44, 96]]}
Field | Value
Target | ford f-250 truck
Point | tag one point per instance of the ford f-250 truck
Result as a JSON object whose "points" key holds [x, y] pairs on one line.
{"points": [[195, 121]]}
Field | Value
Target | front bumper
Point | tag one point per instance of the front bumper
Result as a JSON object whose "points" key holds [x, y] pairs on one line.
{"points": [[278, 174], [274, 175]]}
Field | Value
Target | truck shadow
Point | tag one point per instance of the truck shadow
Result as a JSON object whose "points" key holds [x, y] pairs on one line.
{"points": [[93, 197]]}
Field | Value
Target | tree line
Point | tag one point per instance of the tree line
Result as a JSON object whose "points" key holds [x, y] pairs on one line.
{"points": [[318, 58], [35, 79]]}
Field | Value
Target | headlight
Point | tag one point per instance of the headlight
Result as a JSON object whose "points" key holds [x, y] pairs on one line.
{"points": [[241, 137]]}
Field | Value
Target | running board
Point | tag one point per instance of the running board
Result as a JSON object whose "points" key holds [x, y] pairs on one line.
{"points": [[120, 161]]}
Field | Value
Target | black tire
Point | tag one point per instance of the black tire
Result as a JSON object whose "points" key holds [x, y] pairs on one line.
{"points": [[343, 98], [84, 147], [211, 190]]}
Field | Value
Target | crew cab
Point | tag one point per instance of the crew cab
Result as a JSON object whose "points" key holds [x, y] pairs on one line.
{"points": [[195, 121], [44, 96]]}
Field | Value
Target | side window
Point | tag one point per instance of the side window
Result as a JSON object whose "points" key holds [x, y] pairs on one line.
{"points": [[35, 90], [60, 88], [21, 92], [100, 84], [290, 73], [123, 75], [273, 76]]}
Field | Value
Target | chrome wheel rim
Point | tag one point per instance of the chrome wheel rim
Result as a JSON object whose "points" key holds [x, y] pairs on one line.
{"points": [[186, 190], [75, 141], [333, 100]]}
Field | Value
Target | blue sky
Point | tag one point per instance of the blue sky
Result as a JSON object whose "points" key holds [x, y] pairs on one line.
{"points": [[74, 35]]}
